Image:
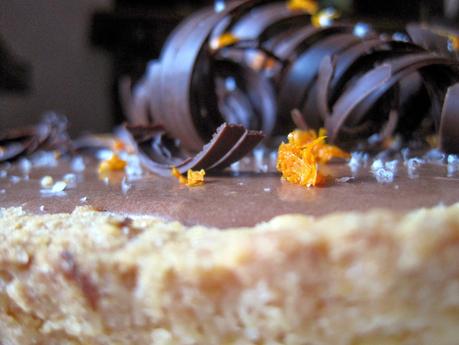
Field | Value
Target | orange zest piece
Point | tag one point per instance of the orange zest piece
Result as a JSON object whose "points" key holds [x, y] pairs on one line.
{"points": [[193, 178], [454, 42], [176, 173], [260, 61], [118, 145], [225, 40], [298, 159], [308, 6], [114, 163]]}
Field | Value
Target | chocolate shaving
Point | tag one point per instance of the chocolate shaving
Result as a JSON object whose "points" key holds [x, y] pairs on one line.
{"points": [[159, 153], [49, 134], [449, 135], [432, 39]]}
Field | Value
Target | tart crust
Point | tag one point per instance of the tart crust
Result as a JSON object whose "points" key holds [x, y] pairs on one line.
{"points": [[377, 278]]}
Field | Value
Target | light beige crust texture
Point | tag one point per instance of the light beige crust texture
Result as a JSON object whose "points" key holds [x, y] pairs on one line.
{"points": [[345, 279]]}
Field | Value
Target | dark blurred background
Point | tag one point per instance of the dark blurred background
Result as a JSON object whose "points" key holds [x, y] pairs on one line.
{"points": [[67, 56]]}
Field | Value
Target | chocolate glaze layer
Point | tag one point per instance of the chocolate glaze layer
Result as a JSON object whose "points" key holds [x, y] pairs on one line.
{"points": [[231, 199]]}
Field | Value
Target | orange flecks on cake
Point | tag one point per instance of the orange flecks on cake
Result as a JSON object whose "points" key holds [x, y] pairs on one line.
{"points": [[321, 150], [227, 39], [261, 61], [454, 39], [298, 159], [118, 146], [114, 163], [308, 6], [193, 178]]}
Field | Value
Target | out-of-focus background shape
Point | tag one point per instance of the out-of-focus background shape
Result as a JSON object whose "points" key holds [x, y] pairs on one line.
{"points": [[66, 73], [68, 56]]}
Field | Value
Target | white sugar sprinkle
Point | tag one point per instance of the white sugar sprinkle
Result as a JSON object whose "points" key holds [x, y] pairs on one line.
{"points": [[133, 168], [104, 154], [259, 154], [384, 172], [44, 159], [273, 158], [42, 208], [435, 156], [383, 176], [453, 165], [405, 153], [84, 199], [345, 179], [357, 161], [46, 182], [267, 189], [58, 187], [412, 166], [235, 167], [25, 166], [125, 186], [392, 166], [70, 179], [77, 164], [219, 6]]}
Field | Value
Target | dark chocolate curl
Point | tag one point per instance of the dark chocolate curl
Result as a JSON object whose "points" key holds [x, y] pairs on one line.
{"points": [[49, 134], [159, 153], [348, 101], [432, 39], [449, 125]]}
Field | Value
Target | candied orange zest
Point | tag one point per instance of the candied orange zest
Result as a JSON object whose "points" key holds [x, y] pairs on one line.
{"points": [[179, 176], [454, 42], [308, 6], [322, 132], [118, 146], [114, 163], [193, 178], [225, 40], [298, 159], [260, 61]]}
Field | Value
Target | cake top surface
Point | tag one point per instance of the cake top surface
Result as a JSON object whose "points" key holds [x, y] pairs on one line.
{"points": [[241, 196], [229, 80]]}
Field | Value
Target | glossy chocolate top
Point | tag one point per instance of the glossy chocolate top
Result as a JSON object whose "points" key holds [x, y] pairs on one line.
{"points": [[234, 198]]}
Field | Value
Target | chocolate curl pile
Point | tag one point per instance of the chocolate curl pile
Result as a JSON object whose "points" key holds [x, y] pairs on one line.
{"points": [[49, 134], [256, 61], [193, 89], [159, 153]]}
